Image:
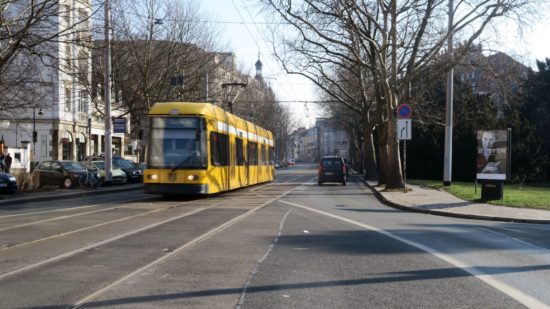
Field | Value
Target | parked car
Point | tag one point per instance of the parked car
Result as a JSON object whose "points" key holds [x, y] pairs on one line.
{"points": [[331, 169], [8, 183], [64, 174], [134, 173], [117, 175]]}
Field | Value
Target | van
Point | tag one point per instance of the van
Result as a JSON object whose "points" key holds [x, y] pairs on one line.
{"points": [[332, 169]]}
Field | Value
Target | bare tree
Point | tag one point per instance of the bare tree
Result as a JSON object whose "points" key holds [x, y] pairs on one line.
{"points": [[160, 52], [396, 42], [30, 31], [258, 104]]}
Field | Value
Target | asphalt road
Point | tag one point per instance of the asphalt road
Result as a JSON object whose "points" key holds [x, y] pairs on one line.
{"points": [[287, 244]]}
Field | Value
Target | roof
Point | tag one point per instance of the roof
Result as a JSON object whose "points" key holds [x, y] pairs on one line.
{"points": [[191, 108]]}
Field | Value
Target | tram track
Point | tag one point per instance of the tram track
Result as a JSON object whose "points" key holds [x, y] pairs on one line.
{"points": [[215, 230], [171, 206], [4, 247], [83, 301], [77, 211]]}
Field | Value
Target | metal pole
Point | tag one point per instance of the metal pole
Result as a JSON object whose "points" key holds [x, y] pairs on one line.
{"points": [[405, 165], [107, 94], [33, 133], [509, 156], [448, 158]]}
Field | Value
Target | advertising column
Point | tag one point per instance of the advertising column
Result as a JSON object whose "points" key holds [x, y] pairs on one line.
{"points": [[492, 152]]}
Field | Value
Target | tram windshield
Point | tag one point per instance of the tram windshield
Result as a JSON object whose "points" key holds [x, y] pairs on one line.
{"points": [[177, 142]]}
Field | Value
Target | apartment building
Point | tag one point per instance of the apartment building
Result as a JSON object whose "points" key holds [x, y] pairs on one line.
{"points": [[56, 121]]}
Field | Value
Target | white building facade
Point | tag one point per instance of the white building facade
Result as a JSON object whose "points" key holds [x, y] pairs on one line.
{"points": [[62, 116]]}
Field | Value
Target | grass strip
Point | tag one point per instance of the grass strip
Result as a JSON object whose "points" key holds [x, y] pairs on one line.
{"points": [[533, 195]]}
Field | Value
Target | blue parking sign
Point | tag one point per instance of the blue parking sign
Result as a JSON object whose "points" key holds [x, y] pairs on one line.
{"points": [[119, 125]]}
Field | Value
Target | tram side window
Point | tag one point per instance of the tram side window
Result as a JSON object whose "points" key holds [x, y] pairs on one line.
{"points": [[240, 151], [253, 153], [218, 149], [270, 155], [262, 155]]}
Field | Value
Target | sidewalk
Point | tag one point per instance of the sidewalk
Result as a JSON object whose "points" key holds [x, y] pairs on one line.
{"points": [[439, 202], [22, 197]]}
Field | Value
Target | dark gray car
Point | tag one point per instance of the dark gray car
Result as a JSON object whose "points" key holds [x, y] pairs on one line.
{"points": [[331, 169], [65, 174]]}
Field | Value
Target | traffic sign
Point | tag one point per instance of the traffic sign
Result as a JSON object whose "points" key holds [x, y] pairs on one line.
{"points": [[404, 111], [404, 129], [119, 125]]}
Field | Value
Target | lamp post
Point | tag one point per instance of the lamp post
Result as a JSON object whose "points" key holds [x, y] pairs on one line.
{"points": [[34, 134], [448, 155]]}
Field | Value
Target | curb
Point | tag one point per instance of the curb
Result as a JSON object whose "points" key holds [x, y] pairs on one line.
{"points": [[387, 202], [53, 196]]}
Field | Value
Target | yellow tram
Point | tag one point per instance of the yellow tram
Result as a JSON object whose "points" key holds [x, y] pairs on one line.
{"points": [[198, 148]]}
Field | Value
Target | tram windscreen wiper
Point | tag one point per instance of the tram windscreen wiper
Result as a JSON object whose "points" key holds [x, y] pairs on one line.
{"points": [[182, 163]]}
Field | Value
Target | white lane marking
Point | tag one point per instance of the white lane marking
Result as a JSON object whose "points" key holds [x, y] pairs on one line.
{"points": [[71, 208], [544, 250], [94, 245], [212, 232], [262, 259], [514, 293]]}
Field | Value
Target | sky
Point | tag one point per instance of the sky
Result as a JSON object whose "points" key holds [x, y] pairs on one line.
{"points": [[241, 27]]}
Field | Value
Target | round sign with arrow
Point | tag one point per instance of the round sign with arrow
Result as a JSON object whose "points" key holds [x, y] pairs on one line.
{"points": [[404, 111]]}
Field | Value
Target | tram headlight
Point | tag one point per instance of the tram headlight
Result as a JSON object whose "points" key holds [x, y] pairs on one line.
{"points": [[152, 177], [193, 177]]}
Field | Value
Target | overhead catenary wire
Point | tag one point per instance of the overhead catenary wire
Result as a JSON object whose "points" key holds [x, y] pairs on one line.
{"points": [[264, 40]]}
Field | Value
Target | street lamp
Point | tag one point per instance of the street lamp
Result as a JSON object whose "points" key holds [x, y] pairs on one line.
{"points": [[34, 134]]}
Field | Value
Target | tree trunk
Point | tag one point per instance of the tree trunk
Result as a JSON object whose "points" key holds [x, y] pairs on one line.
{"points": [[371, 172], [395, 175], [383, 167]]}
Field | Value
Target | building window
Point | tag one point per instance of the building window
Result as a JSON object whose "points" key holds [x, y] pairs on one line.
{"points": [[68, 55], [43, 145], [83, 102], [67, 15], [82, 25], [67, 99]]}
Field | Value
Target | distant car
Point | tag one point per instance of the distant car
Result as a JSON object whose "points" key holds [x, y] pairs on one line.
{"points": [[64, 174], [8, 183], [102, 158], [117, 175], [290, 162], [331, 169]]}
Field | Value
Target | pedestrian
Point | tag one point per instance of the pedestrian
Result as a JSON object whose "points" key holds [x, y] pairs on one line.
{"points": [[1, 162], [7, 163]]}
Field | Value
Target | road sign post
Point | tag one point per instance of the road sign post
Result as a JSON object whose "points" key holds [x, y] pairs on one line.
{"points": [[404, 133]]}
